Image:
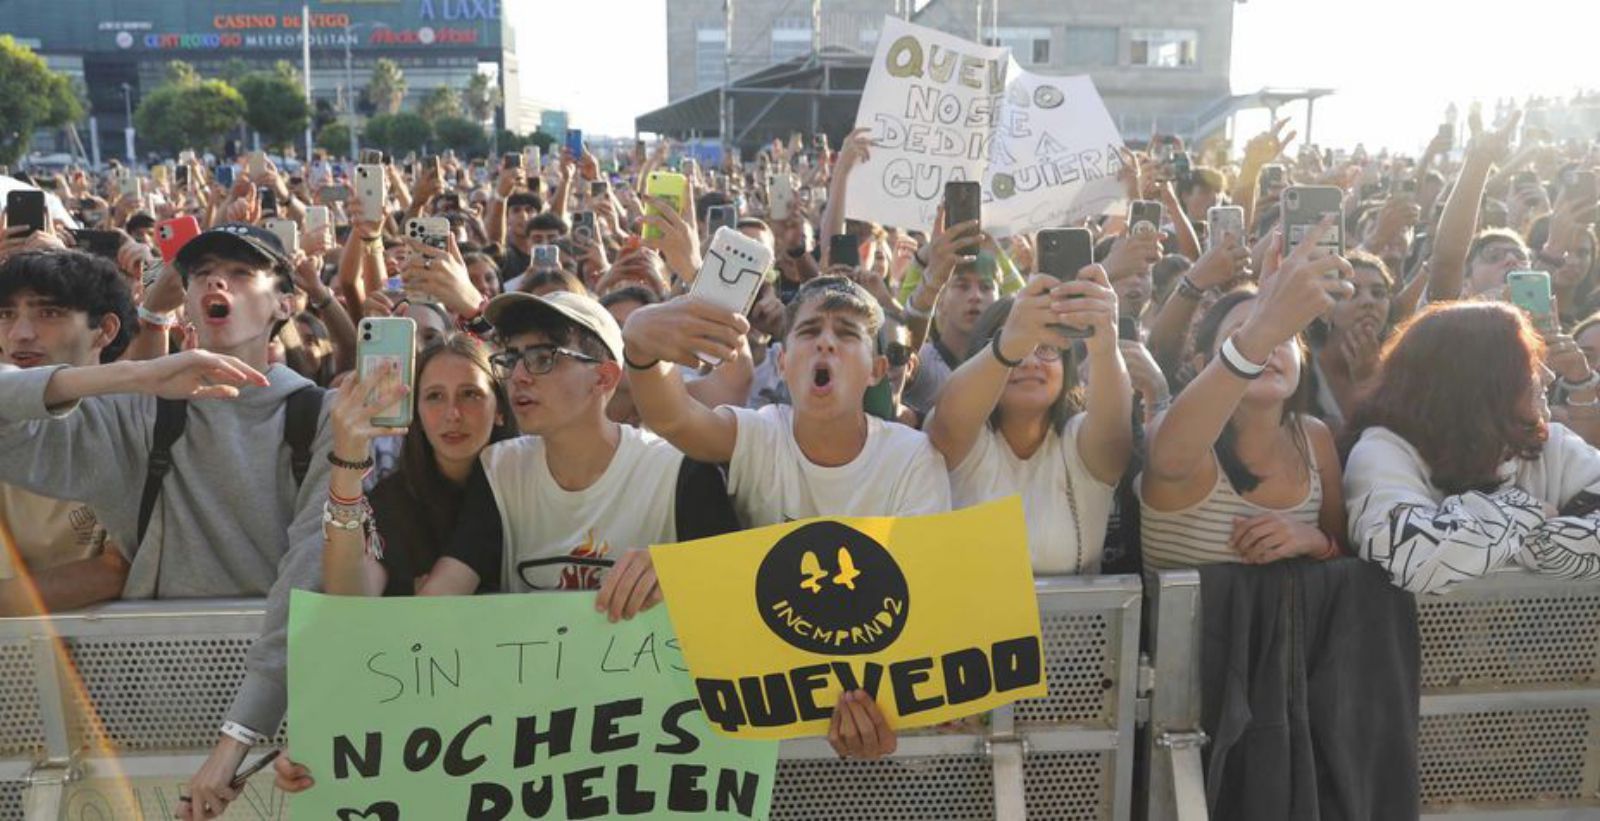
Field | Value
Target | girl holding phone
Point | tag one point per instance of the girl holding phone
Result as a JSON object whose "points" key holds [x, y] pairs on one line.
{"points": [[1013, 420]]}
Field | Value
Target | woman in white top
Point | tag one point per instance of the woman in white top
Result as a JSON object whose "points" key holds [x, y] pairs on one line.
{"points": [[1236, 472], [1011, 419], [1458, 469]]}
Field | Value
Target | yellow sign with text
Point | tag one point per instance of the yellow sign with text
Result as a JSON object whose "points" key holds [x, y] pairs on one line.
{"points": [[934, 616]]}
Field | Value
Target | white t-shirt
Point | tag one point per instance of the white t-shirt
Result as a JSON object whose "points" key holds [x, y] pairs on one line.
{"points": [[564, 540], [897, 473], [1057, 544]]}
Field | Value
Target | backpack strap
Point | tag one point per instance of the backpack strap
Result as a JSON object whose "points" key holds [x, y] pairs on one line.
{"points": [[300, 428], [172, 415]]}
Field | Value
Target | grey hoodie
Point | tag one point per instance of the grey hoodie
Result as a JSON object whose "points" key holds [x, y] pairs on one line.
{"points": [[229, 521]]}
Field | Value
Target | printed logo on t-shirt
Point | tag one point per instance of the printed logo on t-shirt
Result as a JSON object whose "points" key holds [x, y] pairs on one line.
{"points": [[829, 588], [580, 567]]}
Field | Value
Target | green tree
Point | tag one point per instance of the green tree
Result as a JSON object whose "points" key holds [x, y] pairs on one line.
{"points": [[386, 88], [511, 141], [481, 97], [31, 97], [288, 71], [464, 135], [440, 103], [233, 71], [398, 133], [175, 117], [180, 73], [274, 106], [543, 140], [334, 138]]}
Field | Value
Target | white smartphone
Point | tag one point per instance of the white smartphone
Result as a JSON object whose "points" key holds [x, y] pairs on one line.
{"points": [[258, 165], [433, 231], [288, 233], [1222, 220], [128, 185], [317, 218], [532, 159], [371, 189], [780, 200], [731, 273]]}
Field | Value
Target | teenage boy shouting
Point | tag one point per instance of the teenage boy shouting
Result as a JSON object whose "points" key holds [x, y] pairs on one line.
{"points": [[230, 519], [58, 308]]}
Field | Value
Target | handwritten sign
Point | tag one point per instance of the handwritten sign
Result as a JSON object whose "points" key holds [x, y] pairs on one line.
{"points": [[935, 616], [515, 706], [943, 109]]}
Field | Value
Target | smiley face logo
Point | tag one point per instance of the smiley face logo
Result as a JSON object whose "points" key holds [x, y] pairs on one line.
{"points": [[829, 588], [1048, 96]]}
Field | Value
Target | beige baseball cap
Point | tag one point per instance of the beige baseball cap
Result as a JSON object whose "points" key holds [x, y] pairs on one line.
{"points": [[581, 310]]}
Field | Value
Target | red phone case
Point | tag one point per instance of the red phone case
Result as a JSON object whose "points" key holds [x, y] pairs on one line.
{"points": [[173, 234]]}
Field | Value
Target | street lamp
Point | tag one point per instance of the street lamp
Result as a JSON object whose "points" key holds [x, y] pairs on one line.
{"points": [[127, 128], [350, 80]]}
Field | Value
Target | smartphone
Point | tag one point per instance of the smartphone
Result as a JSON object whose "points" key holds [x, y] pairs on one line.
{"points": [[781, 196], [383, 342], [546, 258], [584, 226], [511, 160], [26, 208], [269, 200], [732, 271], [225, 176], [721, 216], [185, 156], [173, 234], [318, 217], [532, 159], [258, 165], [1144, 217], [963, 203], [288, 233], [430, 163], [667, 185], [371, 189], [1128, 327], [434, 231], [100, 243], [1182, 166], [371, 156], [1222, 220], [1063, 252], [128, 186], [1304, 206], [1273, 177], [1530, 291], [575, 143], [844, 250], [334, 193], [180, 176], [597, 188]]}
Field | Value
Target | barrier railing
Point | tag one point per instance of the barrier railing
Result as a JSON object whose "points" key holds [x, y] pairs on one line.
{"points": [[1510, 713], [160, 676]]}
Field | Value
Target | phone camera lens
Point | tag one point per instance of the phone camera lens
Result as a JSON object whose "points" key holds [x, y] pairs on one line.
{"points": [[366, 337]]}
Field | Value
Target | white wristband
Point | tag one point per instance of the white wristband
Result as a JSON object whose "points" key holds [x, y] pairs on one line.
{"points": [[166, 320], [1237, 363], [242, 734]]}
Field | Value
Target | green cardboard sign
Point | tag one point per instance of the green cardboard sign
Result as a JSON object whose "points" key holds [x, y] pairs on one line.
{"points": [[511, 706]]}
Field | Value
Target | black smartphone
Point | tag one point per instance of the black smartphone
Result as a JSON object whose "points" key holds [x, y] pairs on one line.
{"points": [[721, 216], [597, 188], [225, 176], [25, 208], [1063, 252], [100, 243], [843, 250], [180, 176], [511, 159], [963, 202], [1144, 217], [1128, 327], [1273, 176], [269, 200]]}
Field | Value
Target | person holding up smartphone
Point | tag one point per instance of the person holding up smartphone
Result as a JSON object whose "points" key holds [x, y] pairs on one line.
{"points": [[1013, 420]]}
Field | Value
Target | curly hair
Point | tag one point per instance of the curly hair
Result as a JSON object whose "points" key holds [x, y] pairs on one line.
{"points": [[1454, 383], [78, 282]]}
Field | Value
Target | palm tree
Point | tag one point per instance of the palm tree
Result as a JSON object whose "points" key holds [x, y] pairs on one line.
{"points": [[386, 89], [440, 103], [482, 96]]}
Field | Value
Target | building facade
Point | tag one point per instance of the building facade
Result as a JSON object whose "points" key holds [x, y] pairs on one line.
{"points": [[1160, 63], [113, 44]]}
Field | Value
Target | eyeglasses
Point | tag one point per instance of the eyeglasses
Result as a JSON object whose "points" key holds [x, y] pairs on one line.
{"points": [[898, 354], [537, 359]]}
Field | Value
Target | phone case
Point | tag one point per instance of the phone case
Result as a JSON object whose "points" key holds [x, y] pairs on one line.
{"points": [[128, 186], [173, 234], [383, 340], [288, 233], [1303, 207], [780, 200], [546, 258], [26, 208], [732, 271], [1530, 291], [430, 230], [668, 186], [962, 202], [317, 218], [258, 165], [1144, 217], [371, 188], [575, 142], [1062, 253], [583, 225], [1222, 220]]}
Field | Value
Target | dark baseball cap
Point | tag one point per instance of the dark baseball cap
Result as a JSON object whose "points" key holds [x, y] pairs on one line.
{"points": [[237, 240]]}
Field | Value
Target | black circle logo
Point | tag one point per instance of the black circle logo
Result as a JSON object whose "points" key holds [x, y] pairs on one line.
{"points": [[829, 588], [1048, 96]]}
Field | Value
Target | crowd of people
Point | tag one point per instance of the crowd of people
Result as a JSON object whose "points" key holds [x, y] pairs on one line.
{"points": [[1193, 396]]}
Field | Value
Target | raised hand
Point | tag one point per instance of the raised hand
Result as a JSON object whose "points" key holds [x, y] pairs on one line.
{"points": [[197, 375], [681, 330], [1303, 287]]}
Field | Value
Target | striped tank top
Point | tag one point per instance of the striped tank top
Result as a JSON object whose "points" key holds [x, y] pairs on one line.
{"points": [[1198, 534]]}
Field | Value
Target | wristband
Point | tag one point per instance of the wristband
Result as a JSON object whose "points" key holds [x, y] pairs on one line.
{"points": [[1588, 382], [1237, 363], [478, 326], [319, 305], [242, 734], [1188, 290], [344, 517], [365, 464], [162, 320], [994, 348], [632, 365]]}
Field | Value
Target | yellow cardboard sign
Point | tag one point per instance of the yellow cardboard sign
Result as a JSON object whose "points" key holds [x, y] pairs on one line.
{"points": [[935, 616]]}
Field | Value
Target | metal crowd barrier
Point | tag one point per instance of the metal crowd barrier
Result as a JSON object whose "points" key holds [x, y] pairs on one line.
{"points": [[161, 674], [1510, 714]]}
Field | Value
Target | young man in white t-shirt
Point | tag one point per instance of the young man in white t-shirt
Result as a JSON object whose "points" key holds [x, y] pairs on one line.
{"points": [[575, 503]]}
